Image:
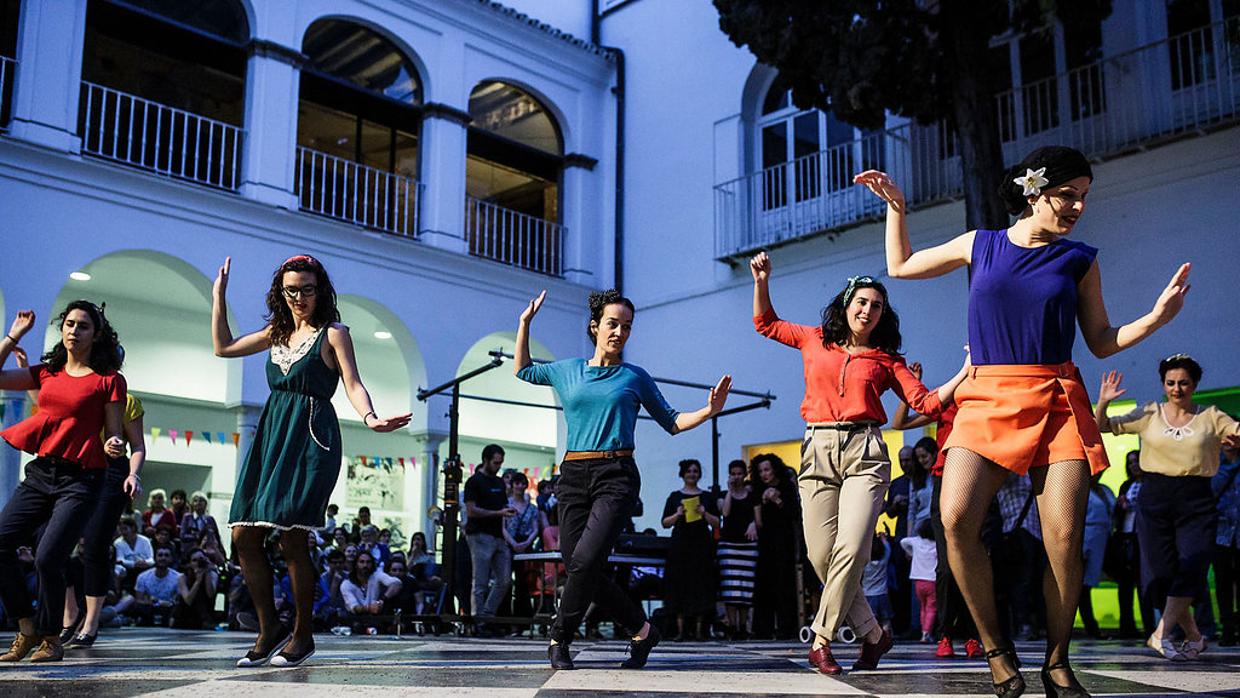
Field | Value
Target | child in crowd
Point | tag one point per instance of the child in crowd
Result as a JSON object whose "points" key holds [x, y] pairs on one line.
{"points": [[874, 581], [921, 550]]}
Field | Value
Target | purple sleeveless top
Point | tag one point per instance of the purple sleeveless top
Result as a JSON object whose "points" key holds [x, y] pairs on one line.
{"points": [[1022, 301]]}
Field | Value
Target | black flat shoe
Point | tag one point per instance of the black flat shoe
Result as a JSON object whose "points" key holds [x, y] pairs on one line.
{"points": [[67, 632], [253, 659], [1074, 689], [82, 641], [1015, 686], [639, 650], [284, 659], [560, 657]]}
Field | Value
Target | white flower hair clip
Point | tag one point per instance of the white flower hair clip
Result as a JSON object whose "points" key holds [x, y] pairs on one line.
{"points": [[1032, 181]]}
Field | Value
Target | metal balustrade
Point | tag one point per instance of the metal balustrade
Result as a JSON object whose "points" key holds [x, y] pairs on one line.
{"points": [[125, 128], [359, 194], [7, 68], [1186, 84], [514, 238]]}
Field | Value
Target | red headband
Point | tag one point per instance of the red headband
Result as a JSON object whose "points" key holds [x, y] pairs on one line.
{"points": [[301, 258]]}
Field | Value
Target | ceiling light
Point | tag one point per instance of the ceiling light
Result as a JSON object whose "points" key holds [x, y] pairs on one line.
{"points": [[383, 334], [79, 276]]}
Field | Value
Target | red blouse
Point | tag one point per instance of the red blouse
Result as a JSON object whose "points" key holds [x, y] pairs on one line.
{"points": [[70, 416], [843, 387], [942, 430]]}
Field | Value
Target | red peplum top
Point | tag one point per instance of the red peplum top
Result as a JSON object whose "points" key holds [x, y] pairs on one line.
{"points": [[69, 418]]}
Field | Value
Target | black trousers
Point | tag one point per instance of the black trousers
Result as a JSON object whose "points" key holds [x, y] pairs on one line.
{"points": [[1227, 585], [952, 617], [101, 530], [596, 499], [60, 495], [1176, 523]]}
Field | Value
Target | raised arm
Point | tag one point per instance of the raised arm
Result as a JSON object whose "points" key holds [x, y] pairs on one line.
{"points": [[521, 354], [341, 344], [221, 334], [20, 378], [902, 262], [1104, 340], [714, 405], [1109, 390], [760, 268]]}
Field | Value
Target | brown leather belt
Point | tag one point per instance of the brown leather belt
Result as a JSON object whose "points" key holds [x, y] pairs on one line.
{"points": [[598, 455]]}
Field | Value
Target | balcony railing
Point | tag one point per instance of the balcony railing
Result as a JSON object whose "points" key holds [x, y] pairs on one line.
{"points": [[514, 238], [359, 194], [7, 69], [118, 126], [1187, 84]]}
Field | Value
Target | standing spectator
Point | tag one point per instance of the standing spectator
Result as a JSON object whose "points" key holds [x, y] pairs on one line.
{"points": [[925, 452], [778, 516], [1098, 514], [133, 551], [363, 519], [897, 507], [155, 592], [329, 528], [196, 520], [369, 591], [689, 586], [1226, 487], [194, 607], [180, 505], [1125, 553], [738, 549], [520, 530], [922, 551], [157, 515], [328, 601], [486, 505], [1019, 556], [874, 580], [1177, 522]]}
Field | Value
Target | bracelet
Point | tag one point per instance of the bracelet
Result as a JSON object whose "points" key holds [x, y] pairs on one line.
{"points": [[10, 338], [368, 414]]}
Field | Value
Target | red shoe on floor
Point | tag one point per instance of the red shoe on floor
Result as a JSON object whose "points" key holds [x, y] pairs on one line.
{"points": [[822, 660], [973, 649], [945, 649]]}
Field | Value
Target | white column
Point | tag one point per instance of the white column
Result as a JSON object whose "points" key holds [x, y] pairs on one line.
{"points": [[581, 228], [444, 133], [14, 402], [272, 89], [48, 85], [427, 470]]}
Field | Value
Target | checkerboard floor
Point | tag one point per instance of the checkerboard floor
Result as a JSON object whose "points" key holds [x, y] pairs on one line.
{"points": [[133, 662]]}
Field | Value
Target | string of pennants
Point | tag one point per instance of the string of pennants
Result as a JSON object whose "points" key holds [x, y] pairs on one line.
{"points": [[217, 437]]}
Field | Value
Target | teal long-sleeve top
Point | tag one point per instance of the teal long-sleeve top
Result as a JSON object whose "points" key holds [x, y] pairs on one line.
{"points": [[601, 402]]}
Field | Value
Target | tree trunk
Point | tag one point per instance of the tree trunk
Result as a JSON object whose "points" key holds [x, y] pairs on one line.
{"points": [[976, 123]]}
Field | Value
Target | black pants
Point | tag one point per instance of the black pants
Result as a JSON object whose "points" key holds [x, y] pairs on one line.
{"points": [[596, 499], [952, 618], [57, 493], [101, 530], [1227, 585], [1176, 522]]}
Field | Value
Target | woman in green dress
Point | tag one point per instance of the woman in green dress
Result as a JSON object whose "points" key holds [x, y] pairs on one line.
{"points": [[292, 464]]}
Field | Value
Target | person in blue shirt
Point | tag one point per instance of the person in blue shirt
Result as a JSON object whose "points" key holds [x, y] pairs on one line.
{"points": [[599, 481]]}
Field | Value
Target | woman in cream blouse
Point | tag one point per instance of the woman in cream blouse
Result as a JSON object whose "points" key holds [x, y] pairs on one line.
{"points": [[1180, 444]]}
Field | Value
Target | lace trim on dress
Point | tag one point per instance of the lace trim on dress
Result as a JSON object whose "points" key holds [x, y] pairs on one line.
{"points": [[284, 357], [281, 527]]}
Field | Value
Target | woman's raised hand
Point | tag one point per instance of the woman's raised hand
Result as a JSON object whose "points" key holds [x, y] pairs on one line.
{"points": [[1110, 389], [532, 309], [1171, 300], [382, 425], [220, 288], [760, 266], [719, 395], [883, 186], [22, 323]]}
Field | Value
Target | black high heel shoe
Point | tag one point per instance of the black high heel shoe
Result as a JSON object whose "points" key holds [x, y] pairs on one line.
{"points": [[1074, 689], [1015, 686]]}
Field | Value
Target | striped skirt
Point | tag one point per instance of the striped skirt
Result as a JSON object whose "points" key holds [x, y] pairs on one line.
{"points": [[738, 563]]}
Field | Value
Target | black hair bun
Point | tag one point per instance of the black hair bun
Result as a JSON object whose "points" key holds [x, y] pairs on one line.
{"points": [[1059, 164]]}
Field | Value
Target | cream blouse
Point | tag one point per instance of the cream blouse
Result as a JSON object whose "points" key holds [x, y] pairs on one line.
{"points": [[1190, 450]]}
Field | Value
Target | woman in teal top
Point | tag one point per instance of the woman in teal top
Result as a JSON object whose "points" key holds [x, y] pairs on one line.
{"points": [[599, 482], [292, 464]]}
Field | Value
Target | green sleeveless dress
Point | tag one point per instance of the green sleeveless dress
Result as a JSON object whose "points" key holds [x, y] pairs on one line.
{"points": [[291, 468]]}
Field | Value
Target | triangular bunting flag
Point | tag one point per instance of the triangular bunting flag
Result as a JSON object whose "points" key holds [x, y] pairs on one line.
{"points": [[155, 433], [189, 436], [402, 462], [207, 435], [236, 438], [173, 434]]}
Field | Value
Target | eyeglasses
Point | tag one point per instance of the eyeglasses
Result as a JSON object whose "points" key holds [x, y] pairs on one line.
{"points": [[307, 291]]}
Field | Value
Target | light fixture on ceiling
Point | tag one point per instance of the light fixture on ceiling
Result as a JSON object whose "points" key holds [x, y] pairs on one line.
{"points": [[79, 276], [382, 334]]}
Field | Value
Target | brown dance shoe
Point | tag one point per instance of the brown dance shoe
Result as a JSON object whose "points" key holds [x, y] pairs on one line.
{"points": [[21, 647], [822, 660], [50, 651], [871, 653]]}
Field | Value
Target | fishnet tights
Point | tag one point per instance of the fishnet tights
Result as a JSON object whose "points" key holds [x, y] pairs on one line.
{"points": [[1061, 490]]}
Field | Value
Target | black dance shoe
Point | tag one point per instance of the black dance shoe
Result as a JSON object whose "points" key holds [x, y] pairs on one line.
{"points": [[560, 657], [639, 650], [284, 659], [254, 659], [1074, 689], [1014, 686], [82, 641]]}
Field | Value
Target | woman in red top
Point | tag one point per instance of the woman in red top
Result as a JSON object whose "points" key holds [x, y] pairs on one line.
{"points": [[850, 360], [80, 394]]}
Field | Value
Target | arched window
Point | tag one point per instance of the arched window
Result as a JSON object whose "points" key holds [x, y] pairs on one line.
{"points": [[164, 86], [515, 157], [10, 11], [358, 125]]}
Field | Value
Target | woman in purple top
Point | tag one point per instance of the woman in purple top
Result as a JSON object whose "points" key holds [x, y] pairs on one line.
{"points": [[1023, 407]]}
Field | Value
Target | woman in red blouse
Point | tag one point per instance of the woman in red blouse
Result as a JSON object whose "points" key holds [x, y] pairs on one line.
{"points": [[850, 360], [80, 395]]}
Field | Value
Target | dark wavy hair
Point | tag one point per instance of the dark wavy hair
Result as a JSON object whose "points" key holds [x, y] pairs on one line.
{"points": [[1183, 361], [600, 300], [106, 355], [778, 467], [278, 314], [886, 335], [689, 463], [1062, 164]]}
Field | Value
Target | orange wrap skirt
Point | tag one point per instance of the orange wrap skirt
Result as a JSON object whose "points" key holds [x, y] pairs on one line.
{"points": [[1022, 417]]}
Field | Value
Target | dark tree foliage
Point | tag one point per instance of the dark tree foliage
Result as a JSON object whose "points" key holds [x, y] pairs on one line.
{"points": [[923, 59]]}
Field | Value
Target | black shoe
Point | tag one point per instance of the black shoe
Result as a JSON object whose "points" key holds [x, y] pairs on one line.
{"points": [[67, 632], [560, 657], [1074, 689], [1014, 686], [82, 641], [284, 659], [253, 659], [639, 650]]}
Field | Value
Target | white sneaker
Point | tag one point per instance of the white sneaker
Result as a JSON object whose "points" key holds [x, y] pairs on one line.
{"points": [[1166, 648]]}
